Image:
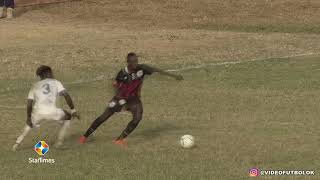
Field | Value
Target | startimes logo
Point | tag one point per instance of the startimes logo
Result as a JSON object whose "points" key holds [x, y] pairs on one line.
{"points": [[41, 148]]}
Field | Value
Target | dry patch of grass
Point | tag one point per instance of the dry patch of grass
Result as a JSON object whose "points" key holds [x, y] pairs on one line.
{"points": [[69, 48], [235, 15]]}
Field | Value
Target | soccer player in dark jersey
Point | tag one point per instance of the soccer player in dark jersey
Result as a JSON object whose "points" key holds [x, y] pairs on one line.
{"points": [[128, 85]]}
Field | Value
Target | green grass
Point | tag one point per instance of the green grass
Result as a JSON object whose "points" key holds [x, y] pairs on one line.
{"points": [[261, 114]]}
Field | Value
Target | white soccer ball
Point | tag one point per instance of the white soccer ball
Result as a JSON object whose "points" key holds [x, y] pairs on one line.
{"points": [[187, 141]]}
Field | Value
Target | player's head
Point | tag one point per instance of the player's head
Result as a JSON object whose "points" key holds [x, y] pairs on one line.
{"points": [[132, 60], [44, 72]]}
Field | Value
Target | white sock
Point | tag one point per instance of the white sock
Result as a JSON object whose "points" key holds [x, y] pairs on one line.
{"points": [[26, 130], [63, 130]]}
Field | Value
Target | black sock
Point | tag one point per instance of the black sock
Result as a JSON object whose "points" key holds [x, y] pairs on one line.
{"points": [[130, 127], [89, 132], [123, 135]]}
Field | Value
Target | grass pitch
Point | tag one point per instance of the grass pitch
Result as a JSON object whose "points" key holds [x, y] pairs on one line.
{"points": [[251, 114], [254, 114]]}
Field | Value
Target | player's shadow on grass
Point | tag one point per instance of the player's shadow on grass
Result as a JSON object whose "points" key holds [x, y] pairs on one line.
{"points": [[146, 133], [73, 139], [150, 133]]}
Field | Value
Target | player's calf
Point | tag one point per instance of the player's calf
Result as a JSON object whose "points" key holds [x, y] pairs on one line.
{"points": [[135, 107], [26, 130], [62, 133], [130, 127]]}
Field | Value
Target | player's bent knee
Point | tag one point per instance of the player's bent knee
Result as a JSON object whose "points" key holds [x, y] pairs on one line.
{"points": [[136, 121], [113, 107], [107, 113], [136, 110], [67, 115], [138, 115]]}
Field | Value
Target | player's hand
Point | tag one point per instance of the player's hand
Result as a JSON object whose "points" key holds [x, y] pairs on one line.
{"points": [[75, 114], [29, 122], [179, 77]]}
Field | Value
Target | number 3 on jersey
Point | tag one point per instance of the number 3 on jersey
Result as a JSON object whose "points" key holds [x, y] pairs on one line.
{"points": [[46, 89]]}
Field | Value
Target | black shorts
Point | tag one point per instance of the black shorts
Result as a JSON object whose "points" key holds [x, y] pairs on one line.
{"points": [[119, 104]]}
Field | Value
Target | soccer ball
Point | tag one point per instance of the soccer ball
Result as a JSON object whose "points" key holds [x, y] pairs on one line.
{"points": [[187, 141]]}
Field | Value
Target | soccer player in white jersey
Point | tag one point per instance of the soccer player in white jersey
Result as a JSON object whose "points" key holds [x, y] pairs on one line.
{"points": [[41, 105]]}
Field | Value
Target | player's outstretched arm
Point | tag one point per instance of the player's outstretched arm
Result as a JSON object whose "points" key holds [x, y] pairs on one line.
{"points": [[162, 72], [29, 112], [70, 103], [176, 76]]}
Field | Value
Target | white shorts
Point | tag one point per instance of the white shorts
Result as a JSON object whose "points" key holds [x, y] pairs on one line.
{"points": [[52, 115]]}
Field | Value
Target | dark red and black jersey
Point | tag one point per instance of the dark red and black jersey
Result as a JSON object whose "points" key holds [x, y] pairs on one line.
{"points": [[129, 84]]}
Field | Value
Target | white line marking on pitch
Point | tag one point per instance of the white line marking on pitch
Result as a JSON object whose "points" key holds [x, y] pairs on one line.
{"points": [[103, 77], [238, 62]]}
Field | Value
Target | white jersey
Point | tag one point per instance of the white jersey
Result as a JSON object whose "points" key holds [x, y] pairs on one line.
{"points": [[45, 94]]}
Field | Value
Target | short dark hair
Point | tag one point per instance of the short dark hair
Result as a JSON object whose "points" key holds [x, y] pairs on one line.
{"points": [[132, 54], [43, 69]]}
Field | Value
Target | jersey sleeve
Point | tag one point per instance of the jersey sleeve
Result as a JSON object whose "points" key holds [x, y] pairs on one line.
{"points": [[60, 87], [120, 77], [147, 69], [31, 94]]}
